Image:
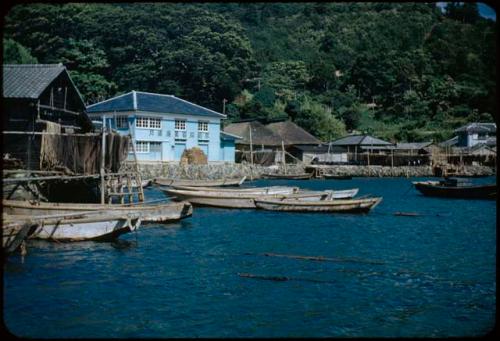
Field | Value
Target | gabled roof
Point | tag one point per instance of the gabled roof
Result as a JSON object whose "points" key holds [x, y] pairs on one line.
{"points": [[360, 140], [30, 80], [292, 133], [260, 134], [449, 143], [320, 149], [477, 128], [151, 102]]}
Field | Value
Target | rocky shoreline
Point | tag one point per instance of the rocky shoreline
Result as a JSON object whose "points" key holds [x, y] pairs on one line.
{"points": [[238, 170]]}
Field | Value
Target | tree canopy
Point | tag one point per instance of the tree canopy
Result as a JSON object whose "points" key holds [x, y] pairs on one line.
{"points": [[399, 70]]}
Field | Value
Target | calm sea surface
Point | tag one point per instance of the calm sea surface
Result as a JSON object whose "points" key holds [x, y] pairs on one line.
{"points": [[431, 275]]}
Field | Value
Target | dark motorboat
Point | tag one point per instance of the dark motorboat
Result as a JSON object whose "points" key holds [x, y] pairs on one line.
{"points": [[337, 177], [456, 188]]}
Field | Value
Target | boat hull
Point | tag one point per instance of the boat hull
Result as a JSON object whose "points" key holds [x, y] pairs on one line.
{"points": [[256, 190], [334, 206], [460, 192], [88, 227], [162, 213], [306, 176], [345, 194], [199, 183], [235, 200]]}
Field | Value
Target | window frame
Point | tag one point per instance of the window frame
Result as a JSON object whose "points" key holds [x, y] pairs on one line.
{"points": [[183, 121], [120, 119]]}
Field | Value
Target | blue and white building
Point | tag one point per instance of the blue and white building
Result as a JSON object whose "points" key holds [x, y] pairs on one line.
{"points": [[163, 126]]}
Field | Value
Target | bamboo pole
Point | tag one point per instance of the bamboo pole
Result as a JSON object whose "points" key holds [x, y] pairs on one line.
{"points": [[251, 154], [103, 156], [283, 157]]}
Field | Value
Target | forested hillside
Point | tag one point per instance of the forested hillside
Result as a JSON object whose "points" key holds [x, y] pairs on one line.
{"points": [[402, 71]]}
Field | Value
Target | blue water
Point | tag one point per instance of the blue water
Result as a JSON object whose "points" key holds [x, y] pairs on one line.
{"points": [[431, 275]]}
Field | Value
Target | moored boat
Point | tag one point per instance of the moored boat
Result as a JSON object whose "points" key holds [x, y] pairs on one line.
{"points": [[78, 227], [250, 190], [199, 183], [335, 206], [337, 177], [454, 188], [236, 200], [303, 176], [163, 213]]}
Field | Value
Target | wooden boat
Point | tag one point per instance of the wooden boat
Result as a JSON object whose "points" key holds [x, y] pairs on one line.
{"points": [[337, 177], [303, 176], [337, 206], [13, 234], [199, 183], [78, 227], [163, 213], [252, 190], [454, 188], [144, 183], [234, 200]]}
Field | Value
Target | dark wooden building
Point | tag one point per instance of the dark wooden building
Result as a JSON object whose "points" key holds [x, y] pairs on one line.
{"points": [[41, 92]]}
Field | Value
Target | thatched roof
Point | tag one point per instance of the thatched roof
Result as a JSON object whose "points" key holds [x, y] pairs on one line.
{"points": [[260, 134], [292, 133]]}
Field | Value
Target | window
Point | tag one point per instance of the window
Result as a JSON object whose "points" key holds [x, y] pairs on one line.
{"points": [[121, 122], [155, 147], [155, 123], [142, 147], [142, 122], [202, 126], [180, 124], [148, 122]]}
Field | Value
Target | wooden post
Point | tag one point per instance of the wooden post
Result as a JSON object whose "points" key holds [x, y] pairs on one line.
{"points": [[392, 158], [251, 154], [103, 157], [283, 150]]}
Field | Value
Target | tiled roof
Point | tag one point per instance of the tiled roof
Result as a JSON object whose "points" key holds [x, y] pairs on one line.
{"points": [[360, 140], [151, 102], [292, 133], [448, 143], [478, 128], [322, 148], [260, 134], [28, 80]]}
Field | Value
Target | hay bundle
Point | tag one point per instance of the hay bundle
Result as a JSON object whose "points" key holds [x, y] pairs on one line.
{"points": [[193, 156]]}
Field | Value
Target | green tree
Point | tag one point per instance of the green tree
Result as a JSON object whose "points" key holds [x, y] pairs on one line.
{"points": [[15, 53]]}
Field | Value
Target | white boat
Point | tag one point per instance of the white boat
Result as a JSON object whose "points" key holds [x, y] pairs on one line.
{"points": [[199, 183], [345, 194], [78, 227], [251, 190], [163, 213], [237, 199], [339, 206]]}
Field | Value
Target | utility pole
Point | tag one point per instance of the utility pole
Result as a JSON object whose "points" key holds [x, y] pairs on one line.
{"points": [[224, 106]]}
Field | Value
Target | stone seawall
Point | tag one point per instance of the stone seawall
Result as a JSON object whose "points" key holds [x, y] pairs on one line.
{"points": [[238, 170]]}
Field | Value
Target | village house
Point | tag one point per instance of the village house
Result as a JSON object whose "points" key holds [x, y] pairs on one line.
{"points": [[36, 96], [476, 133], [163, 126]]}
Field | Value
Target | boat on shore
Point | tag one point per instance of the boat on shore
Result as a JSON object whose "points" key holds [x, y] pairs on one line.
{"points": [[84, 226], [330, 206], [199, 183], [337, 177], [457, 189], [303, 176], [158, 213], [237, 199]]}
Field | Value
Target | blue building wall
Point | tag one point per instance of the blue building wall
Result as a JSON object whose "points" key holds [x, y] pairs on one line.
{"points": [[173, 142]]}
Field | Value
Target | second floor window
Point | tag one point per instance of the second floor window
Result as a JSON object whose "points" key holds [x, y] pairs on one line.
{"points": [[121, 122], [202, 126], [148, 122], [180, 125]]}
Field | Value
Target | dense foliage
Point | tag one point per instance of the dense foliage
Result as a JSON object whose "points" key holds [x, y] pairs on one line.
{"points": [[401, 71]]}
